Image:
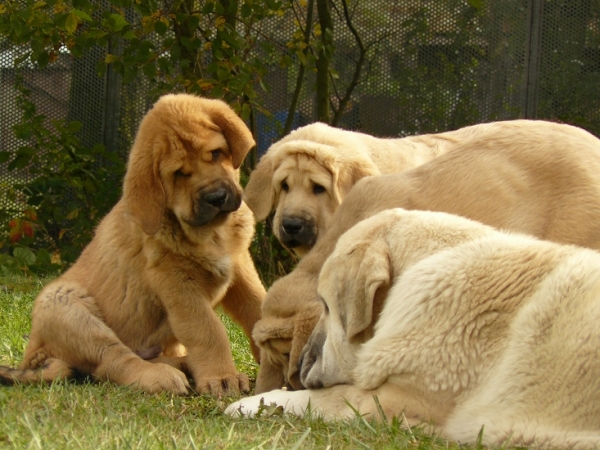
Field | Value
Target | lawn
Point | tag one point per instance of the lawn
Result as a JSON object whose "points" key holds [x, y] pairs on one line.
{"points": [[91, 415]]}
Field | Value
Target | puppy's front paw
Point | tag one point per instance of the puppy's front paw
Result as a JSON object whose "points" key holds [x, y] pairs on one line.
{"points": [[162, 377], [227, 386]]}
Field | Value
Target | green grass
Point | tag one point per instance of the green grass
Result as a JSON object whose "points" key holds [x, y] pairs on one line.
{"points": [[90, 415]]}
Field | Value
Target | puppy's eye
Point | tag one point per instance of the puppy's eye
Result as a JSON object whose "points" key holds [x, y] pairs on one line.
{"points": [[318, 189], [181, 174], [284, 186], [216, 154]]}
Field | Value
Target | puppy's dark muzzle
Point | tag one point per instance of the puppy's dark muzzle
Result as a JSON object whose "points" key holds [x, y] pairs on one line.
{"points": [[222, 200], [214, 202], [297, 231]]}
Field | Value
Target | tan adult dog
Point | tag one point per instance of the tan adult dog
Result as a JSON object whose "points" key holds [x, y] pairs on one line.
{"points": [[549, 191], [480, 330], [174, 247], [306, 175]]}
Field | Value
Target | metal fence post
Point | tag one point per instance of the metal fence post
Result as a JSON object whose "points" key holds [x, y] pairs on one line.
{"points": [[532, 58]]}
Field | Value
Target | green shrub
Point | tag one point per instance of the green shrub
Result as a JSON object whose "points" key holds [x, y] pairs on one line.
{"points": [[67, 188]]}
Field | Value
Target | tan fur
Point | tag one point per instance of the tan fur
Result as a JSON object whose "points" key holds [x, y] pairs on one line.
{"points": [[173, 248], [535, 177], [481, 330], [319, 164]]}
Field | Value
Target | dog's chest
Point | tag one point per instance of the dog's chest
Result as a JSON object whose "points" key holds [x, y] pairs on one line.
{"points": [[219, 270]]}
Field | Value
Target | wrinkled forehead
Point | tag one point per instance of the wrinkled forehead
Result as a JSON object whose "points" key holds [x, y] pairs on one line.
{"points": [[205, 139], [192, 144], [298, 169]]}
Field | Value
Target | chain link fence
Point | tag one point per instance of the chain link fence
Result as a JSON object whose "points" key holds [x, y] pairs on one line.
{"points": [[429, 65]]}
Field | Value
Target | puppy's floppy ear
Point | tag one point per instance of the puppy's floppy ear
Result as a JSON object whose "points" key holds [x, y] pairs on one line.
{"points": [[375, 271], [143, 191], [258, 193], [268, 328], [348, 174], [304, 324], [238, 136], [269, 375]]}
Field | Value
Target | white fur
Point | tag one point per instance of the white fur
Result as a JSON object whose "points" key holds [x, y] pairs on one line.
{"points": [[480, 329]]}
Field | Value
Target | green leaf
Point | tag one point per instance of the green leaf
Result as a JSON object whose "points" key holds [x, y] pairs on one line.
{"points": [[161, 28], [71, 23], [82, 5], [246, 10], [477, 4], [82, 15], [43, 59], [74, 126], [24, 255], [101, 68], [115, 22]]}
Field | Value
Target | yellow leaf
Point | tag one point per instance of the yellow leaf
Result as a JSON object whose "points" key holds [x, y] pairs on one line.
{"points": [[55, 257], [110, 58], [73, 214]]}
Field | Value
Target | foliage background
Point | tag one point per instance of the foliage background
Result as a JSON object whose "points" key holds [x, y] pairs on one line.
{"points": [[76, 76]]}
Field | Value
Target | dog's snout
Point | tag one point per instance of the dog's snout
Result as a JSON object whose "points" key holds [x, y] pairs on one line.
{"points": [[216, 198], [310, 356], [296, 231], [300, 362], [292, 225]]}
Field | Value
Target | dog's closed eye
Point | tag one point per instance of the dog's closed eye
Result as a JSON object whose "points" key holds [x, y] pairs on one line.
{"points": [[318, 189]]}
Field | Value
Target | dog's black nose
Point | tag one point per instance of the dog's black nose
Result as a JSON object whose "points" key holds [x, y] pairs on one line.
{"points": [[216, 198], [292, 225]]}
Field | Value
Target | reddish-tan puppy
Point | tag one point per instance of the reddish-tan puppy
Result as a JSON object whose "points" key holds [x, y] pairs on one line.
{"points": [[174, 247]]}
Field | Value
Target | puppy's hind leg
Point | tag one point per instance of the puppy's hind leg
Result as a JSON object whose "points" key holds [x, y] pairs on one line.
{"points": [[67, 325]]}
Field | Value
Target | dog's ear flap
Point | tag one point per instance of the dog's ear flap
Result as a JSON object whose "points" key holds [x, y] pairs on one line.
{"points": [[304, 324], [238, 136], [375, 272], [269, 375], [258, 193], [349, 174], [143, 191]]}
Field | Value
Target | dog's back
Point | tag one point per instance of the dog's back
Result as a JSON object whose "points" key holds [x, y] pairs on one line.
{"points": [[508, 325]]}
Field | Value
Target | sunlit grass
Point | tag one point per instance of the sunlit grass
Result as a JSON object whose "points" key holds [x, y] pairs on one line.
{"points": [[91, 415]]}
